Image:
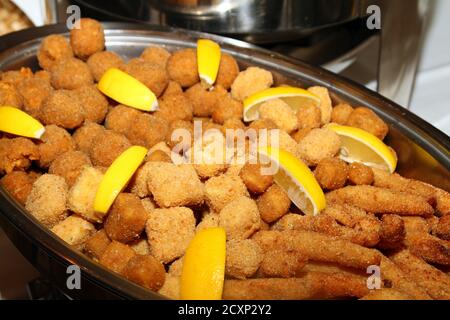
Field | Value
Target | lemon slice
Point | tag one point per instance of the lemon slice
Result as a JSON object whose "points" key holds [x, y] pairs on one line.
{"points": [[117, 176], [15, 121], [127, 90], [361, 146], [204, 266], [208, 61], [294, 97], [296, 179]]}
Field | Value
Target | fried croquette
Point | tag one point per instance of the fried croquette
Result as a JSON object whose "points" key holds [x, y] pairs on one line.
{"points": [[156, 55], [273, 204], [392, 232], [181, 133], [175, 107], [88, 39], [55, 141], [69, 165], [360, 174], [317, 145], [148, 130], [367, 120], [120, 118], [325, 103], [174, 185], [146, 271], [203, 101], [10, 96], [96, 245], [116, 256], [101, 61], [94, 104], [82, 194], [280, 113], [243, 258], [308, 117], [85, 136], [226, 109], [228, 71], [152, 75], [107, 146], [250, 81], [182, 67], [331, 173], [34, 92], [341, 113], [47, 200], [19, 184], [62, 108], [172, 88], [71, 74], [53, 49], [169, 232], [74, 230], [17, 154], [126, 219], [221, 190], [240, 218], [255, 181]]}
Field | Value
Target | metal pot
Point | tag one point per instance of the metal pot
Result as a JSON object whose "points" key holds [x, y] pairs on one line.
{"points": [[423, 150]]}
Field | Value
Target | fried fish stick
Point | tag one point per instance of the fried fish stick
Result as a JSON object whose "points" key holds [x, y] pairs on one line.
{"points": [[378, 200], [429, 248], [327, 267], [281, 264], [393, 277], [318, 247], [312, 285], [386, 294], [434, 281]]}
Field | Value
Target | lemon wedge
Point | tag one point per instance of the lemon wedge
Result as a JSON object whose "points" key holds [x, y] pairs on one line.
{"points": [[127, 90], [361, 146], [204, 266], [117, 176], [296, 179], [294, 97], [15, 121], [208, 61]]}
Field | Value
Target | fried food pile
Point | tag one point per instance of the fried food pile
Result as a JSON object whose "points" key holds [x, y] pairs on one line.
{"points": [[372, 219]]}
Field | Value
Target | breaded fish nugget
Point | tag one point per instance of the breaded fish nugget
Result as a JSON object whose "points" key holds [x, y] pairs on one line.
{"points": [[85, 136], [53, 48], [96, 245], [10, 96], [116, 256], [243, 258], [93, 103], [254, 180], [221, 190], [228, 71], [182, 67], [146, 271], [107, 146], [273, 204], [341, 113], [70, 74], [360, 174], [366, 119], [156, 55], [308, 117], [62, 108], [69, 165], [331, 173], [101, 61], [34, 93], [152, 75], [74, 230], [250, 81], [19, 184], [280, 113], [317, 145], [240, 218], [88, 39], [17, 154], [325, 106]]}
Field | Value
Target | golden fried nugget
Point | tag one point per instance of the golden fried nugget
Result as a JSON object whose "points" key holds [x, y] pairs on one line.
{"points": [[47, 199], [367, 120], [280, 113], [121, 118], [240, 218], [126, 219], [392, 232], [18, 184], [88, 39], [254, 180], [17, 154], [34, 93], [182, 67], [281, 264], [55, 141], [273, 204], [172, 88], [53, 49], [181, 133], [10, 96], [386, 294], [434, 281], [107, 146], [116, 256], [14, 77], [101, 61], [148, 130], [308, 117], [243, 258], [203, 101], [85, 136], [221, 190], [325, 106], [416, 224], [93, 102], [318, 247], [69, 165], [227, 108], [250, 81], [259, 124], [146, 271], [175, 107], [341, 113], [360, 174], [331, 173], [379, 200], [156, 55], [152, 75], [318, 144], [96, 245], [228, 71], [70, 74], [300, 134], [442, 229], [74, 230], [169, 232], [62, 108], [174, 185]]}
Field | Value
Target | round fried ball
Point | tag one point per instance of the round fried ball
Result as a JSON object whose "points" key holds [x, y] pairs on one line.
{"points": [[341, 113], [34, 92], [17, 154], [175, 107], [203, 101], [9, 96], [101, 61], [94, 103], [228, 71], [148, 130], [70, 74], [53, 49], [172, 88], [243, 258], [146, 271], [107, 146], [279, 112], [331, 173], [156, 55], [120, 118], [227, 108], [88, 39], [317, 145], [55, 141], [360, 174], [69, 165], [19, 184], [62, 108], [153, 76], [14, 77], [182, 67], [255, 180], [185, 135], [250, 81], [308, 117], [85, 136], [366, 119], [273, 204]]}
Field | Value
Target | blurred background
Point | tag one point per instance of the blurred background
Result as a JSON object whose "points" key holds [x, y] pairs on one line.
{"points": [[406, 58]]}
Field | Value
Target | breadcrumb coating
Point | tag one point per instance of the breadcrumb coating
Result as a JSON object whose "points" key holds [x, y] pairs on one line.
{"points": [[250, 81], [62, 108], [55, 141], [88, 39], [182, 67], [243, 258], [280, 113], [19, 184], [70, 74], [240, 218], [317, 145], [223, 189], [368, 120], [69, 165], [53, 49]]}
